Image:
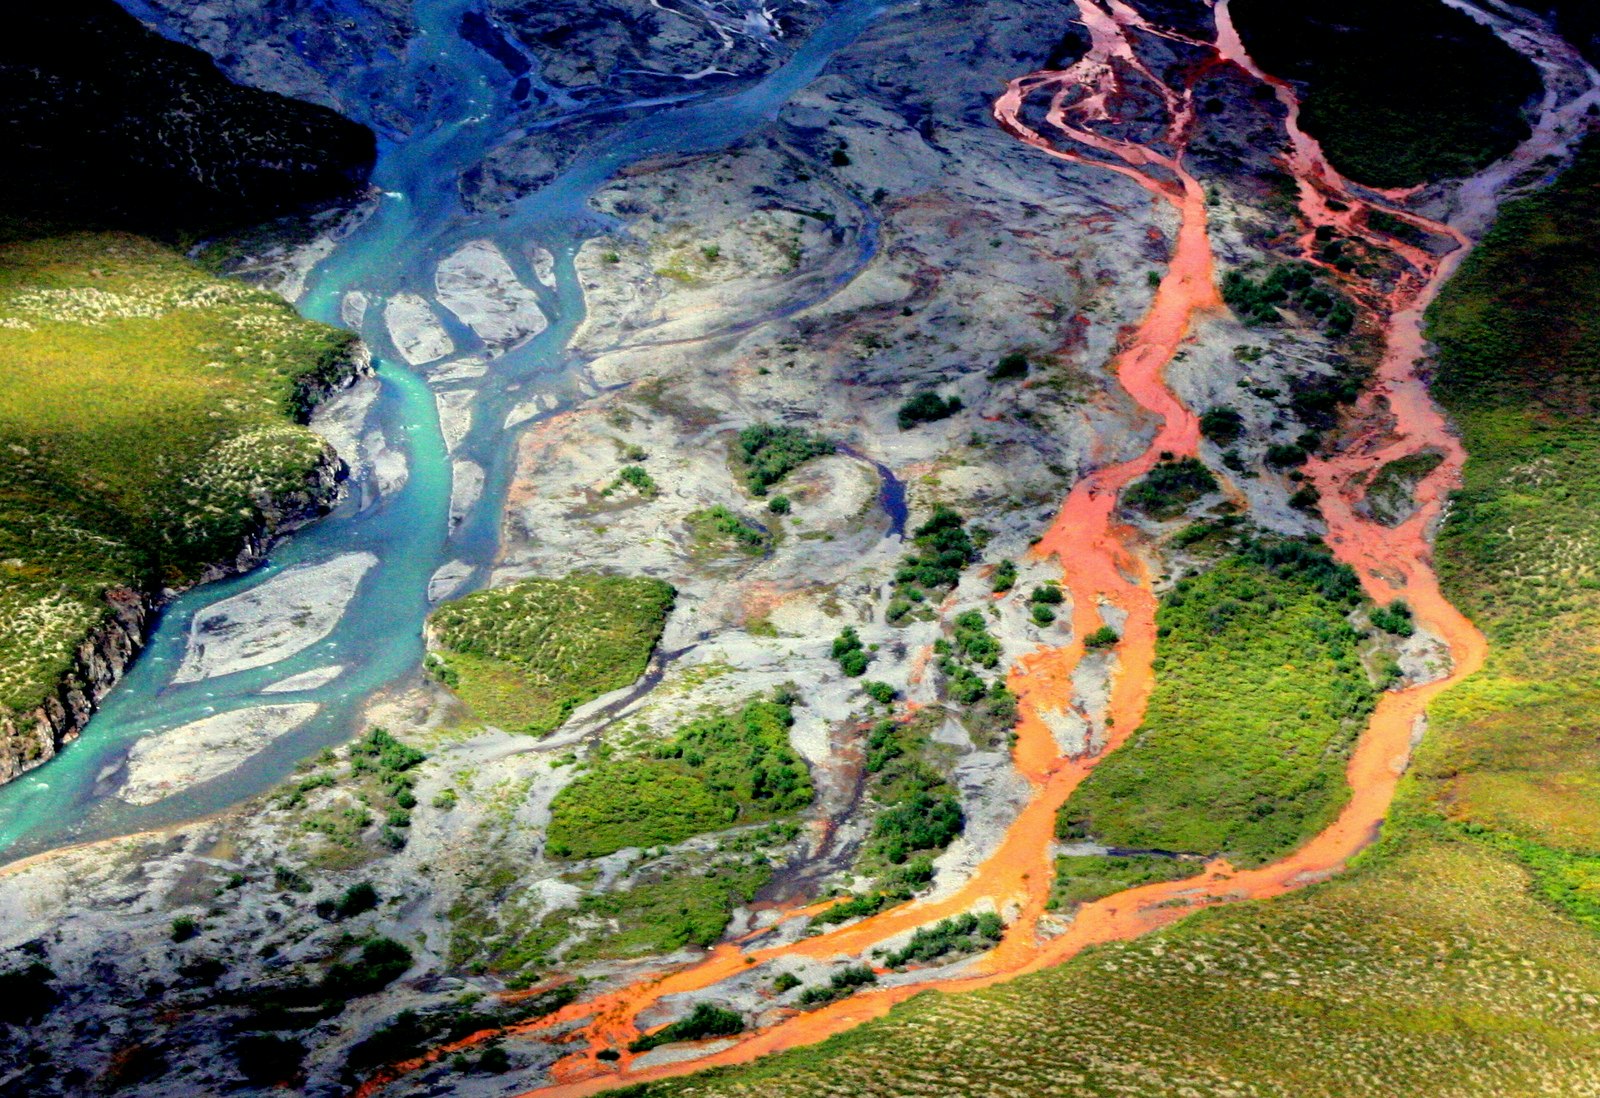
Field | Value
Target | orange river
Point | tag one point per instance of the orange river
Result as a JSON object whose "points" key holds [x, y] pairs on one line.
{"points": [[1104, 566]]}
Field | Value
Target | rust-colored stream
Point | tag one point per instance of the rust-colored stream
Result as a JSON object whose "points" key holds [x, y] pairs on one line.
{"points": [[1102, 566]]}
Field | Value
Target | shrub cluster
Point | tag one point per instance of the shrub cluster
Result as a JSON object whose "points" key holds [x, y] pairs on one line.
{"points": [[767, 453], [1171, 488], [963, 934], [927, 407], [526, 655], [704, 1021], [716, 771]]}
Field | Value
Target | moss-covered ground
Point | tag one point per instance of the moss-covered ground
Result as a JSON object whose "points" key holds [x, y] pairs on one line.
{"points": [[147, 411], [525, 656]]}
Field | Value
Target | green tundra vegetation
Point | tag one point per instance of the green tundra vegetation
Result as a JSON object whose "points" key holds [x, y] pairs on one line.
{"points": [[1512, 751], [704, 1021], [370, 811], [918, 814], [1171, 488], [1084, 878], [941, 549], [969, 933], [1457, 957], [715, 772], [525, 656], [1390, 491], [1260, 690], [927, 407], [1298, 286], [500, 925], [1399, 92], [766, 454], [148, 413], [717, 531]]}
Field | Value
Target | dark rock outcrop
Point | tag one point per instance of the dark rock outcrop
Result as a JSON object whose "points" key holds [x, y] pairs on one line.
{"points": [[107, 123]]}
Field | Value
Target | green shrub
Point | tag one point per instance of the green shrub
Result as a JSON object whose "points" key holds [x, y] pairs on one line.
{"points": [[380, 963], [1042, 614], [1394, 618], [706, 1020], [1005, 577], [1103, 637], [184, 927], [880, 692], [926, 821], [717, 529], [358, 899], [779, 505], [941, 550], [963, 934], [1048, 594], [841, 983], [1171, 488], [637, 478], [927, 407], [1281, 455], [1223, 426], [767, 454], [1011, 366], [850, 653], [974, 641]]}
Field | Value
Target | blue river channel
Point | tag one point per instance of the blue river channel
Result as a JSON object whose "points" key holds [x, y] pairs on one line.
{"points": [[464, 90]]}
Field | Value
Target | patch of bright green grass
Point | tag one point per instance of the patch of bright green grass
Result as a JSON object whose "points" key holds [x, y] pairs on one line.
{"points": [[500, 926], [1513, 750], [717, 531], [525, 656], [1081, 879], [147, 414], [715, 772], [1260, 692], [682, 909]]}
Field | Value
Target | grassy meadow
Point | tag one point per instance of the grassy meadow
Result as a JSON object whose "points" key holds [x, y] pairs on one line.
{"points": [[523, 657], [147, 413]]}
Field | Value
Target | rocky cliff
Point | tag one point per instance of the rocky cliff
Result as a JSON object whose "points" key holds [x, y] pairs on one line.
{"points": [[105, 120]]}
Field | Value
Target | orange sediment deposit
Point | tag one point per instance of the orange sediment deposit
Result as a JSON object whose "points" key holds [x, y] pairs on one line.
{"points": [[1102, 567]]}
